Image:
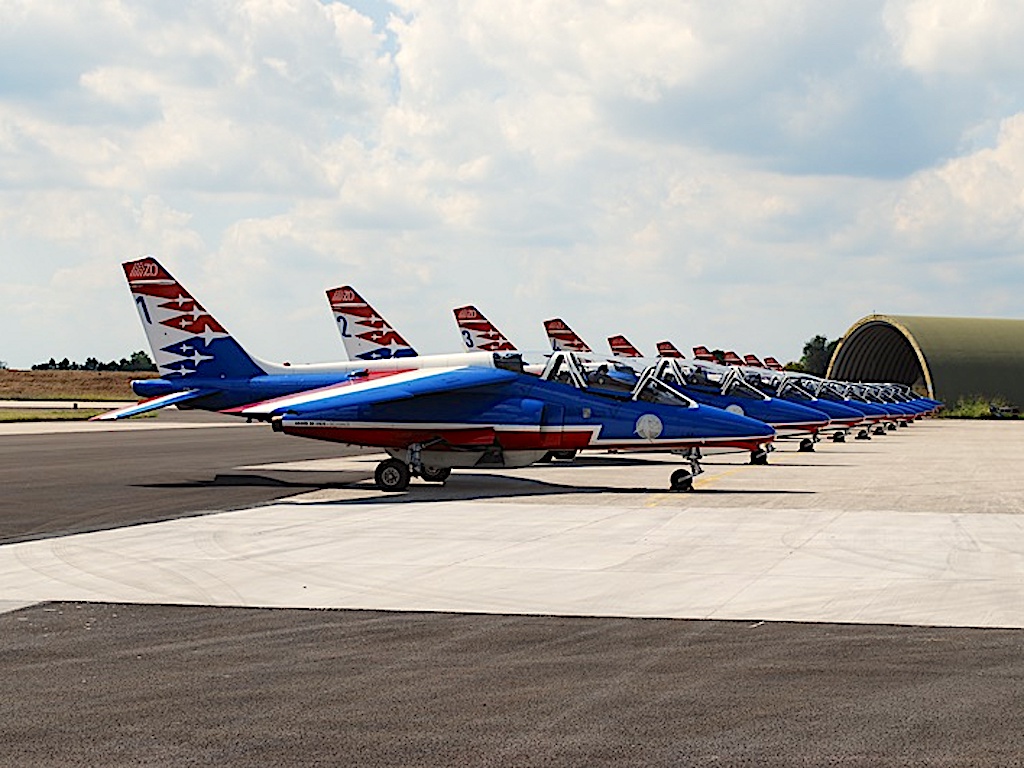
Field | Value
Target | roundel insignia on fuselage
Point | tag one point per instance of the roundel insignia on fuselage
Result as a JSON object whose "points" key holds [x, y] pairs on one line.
{"points": [[649, 426]]}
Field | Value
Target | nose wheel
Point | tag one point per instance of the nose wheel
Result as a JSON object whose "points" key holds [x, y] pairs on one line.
{"points": [[681, 480]]}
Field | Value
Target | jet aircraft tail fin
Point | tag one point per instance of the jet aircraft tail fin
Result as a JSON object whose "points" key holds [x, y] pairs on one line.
{"points": [[562, 337], [621, 347], [186, 340], [775, 365], [668, 349], [752, 360], [365, 334], [478, 333], [703, 353], [731, 358]]}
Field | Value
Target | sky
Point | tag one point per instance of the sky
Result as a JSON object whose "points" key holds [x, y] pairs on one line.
{"points": [[740, 175]]}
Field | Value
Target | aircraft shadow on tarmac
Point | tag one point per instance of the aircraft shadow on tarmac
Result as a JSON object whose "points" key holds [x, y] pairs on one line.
{"points": [[476, 486]]}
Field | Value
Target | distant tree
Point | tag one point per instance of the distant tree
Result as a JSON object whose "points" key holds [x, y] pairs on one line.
{"points": [[139, 361], [719, 355], [817, 353]]}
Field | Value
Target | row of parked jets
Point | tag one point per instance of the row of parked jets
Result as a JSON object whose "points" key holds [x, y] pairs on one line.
{"points": [[488, 407]]}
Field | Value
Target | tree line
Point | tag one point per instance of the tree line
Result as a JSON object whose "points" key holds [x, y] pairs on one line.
{"points": [[139, 361], [817, 353]]}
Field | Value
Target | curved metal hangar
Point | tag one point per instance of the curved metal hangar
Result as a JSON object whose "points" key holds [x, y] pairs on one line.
{"points": [[943, 357]]}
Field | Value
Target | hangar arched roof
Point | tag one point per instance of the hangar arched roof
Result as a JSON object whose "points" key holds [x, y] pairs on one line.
{"points": [[947, 357]]}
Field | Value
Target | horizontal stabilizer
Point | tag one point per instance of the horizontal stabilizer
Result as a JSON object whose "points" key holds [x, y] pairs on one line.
{"points": [[152, 404]]}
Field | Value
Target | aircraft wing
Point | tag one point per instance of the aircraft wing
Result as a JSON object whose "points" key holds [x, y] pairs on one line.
{"points": [[382, 389], [152, 404]]}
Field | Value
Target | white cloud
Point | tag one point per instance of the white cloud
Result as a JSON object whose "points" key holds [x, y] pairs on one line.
{"points": [[745, 175], [958, 37]]}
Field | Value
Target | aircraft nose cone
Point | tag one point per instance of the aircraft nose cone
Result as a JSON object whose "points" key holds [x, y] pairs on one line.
{"points": [[722, 424]]}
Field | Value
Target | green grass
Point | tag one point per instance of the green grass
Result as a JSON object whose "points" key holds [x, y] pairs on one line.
{"points": [[974, 407], [8, 415]]}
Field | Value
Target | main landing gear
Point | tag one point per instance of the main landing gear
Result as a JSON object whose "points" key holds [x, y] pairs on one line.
{"points": [[394, 475], [839, 437], [806, 445]]}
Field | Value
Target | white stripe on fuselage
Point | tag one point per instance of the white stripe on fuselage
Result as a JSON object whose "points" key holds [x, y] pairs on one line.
{"points": [[345, 387]]}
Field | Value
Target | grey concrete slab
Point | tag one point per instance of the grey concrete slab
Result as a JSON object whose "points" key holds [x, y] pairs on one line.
{"points": [[875, 532]]}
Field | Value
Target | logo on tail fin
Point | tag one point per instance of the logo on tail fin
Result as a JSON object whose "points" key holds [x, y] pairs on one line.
{"points": [[562, 337], [365, 334], [621, 347], [668, 349], [185, 339], [478, 333]]}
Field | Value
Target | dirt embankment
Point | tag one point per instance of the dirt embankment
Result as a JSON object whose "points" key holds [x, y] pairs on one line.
{"points": [[69, 385]]}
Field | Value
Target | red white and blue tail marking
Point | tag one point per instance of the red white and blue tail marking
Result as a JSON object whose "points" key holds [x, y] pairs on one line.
{"points": [[562, 337], [621, 347], [668, 349], [365, 334], [478, 333]]}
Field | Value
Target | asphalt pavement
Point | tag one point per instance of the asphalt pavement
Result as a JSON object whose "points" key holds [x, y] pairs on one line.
{"points": [[59, 481], [130, 684]]}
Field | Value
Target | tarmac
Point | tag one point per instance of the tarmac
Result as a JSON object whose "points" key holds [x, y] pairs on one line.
{"points": [[854, 606], [884, 532]]}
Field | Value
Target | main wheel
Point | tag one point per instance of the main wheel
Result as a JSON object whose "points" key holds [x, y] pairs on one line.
{"points": [[392, 475], [681, 480], [863, 435], [759, 457], [839, 437], [565, 455], [435, 475], [806, 445]]}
